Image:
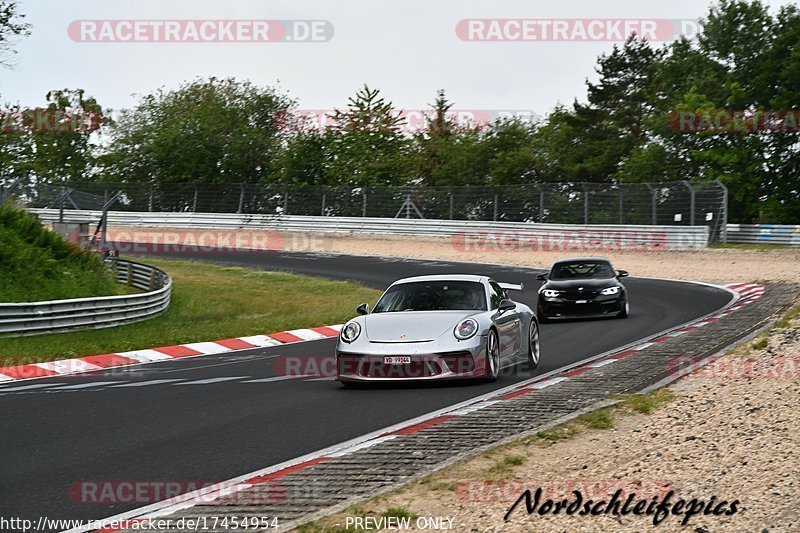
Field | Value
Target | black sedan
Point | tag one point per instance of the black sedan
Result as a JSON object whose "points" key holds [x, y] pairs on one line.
{"points": [[586, 287]]}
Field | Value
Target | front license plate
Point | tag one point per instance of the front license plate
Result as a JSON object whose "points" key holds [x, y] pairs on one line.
{"points": [[397, 360], [581, 301]]}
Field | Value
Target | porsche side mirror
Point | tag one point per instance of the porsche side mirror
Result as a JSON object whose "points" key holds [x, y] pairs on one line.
{"points": [[542, 277], [363, 309], [506, 305], [622, 273]]}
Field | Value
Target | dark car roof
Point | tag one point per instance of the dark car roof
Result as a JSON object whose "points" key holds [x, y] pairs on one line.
{"points": [[583, 259]]}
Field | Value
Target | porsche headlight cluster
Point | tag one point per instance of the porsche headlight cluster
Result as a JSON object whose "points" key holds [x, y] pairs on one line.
{"points": [[609, 291], [549, 293], [350, 331], [466, 329]]}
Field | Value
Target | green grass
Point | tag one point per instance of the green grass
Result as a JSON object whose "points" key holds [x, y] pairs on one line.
{"points": [[760, 344], [209, 302], [506, 464], [764, 247], [399, 512], [647, 403], [38, 264], [601, 419]]}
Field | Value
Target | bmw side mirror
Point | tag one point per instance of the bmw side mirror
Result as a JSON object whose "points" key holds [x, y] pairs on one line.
{"points": [[542, 277], [622, 273], [506, 305], [363, 309]]}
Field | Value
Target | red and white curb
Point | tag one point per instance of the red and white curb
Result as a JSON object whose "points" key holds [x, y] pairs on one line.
{"points": [[137, 357], [745, 293]]}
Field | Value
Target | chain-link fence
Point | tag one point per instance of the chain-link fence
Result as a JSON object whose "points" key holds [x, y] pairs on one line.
{"points": [[676, 203]]}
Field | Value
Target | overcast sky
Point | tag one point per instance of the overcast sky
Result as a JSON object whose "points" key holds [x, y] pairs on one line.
{"points": [[406, 48]]}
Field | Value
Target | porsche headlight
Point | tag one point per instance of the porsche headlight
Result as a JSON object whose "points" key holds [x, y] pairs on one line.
{"points": [[350, 331], [609, 291], [549, 293], [466, 329]]}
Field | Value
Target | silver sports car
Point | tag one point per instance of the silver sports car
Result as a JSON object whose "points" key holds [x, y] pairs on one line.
{"points": [[438, 327]]}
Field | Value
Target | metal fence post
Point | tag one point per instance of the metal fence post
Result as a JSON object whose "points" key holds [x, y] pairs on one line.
{"points": [[194, 202], [364, 203], [150, 201], [495, 208], [286, 202], [241, 198], [322, 211], [723, 230], [652, 203], [450, 193], [621, 206], [585, 204], [691, 205], [541, 204]]}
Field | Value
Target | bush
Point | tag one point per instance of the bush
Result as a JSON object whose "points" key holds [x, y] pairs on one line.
{"points": [[38, 264]]}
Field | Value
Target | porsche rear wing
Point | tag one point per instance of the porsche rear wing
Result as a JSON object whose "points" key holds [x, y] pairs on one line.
{"points": [[511, 286]]}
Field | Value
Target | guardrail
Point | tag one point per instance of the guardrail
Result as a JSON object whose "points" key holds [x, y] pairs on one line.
{"points": [[38, 318], [621, 235], [763, 234]]}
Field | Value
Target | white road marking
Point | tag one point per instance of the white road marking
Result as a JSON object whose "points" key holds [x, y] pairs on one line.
{"points": [[363, 445], [546, 383], [278, 378], [145, 356], [146, 383], [261, 341], [207, 347], [211, 380], [88, 385], [29, 387], [472, 408], [68, 366], [642, 346], [3, 377], [307, 334], [598, 364]]}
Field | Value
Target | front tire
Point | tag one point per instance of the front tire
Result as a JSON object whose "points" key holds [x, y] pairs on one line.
{"points": [[625, 310], [534, 349], [492, 363]]}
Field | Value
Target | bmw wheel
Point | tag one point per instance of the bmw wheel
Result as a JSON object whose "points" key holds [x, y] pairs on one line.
{"points": [[625, 310], [534, 352], [492, 357]]}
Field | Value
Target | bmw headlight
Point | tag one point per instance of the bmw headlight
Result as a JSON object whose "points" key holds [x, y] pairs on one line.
{"points": [[549, 293], [466, 329], [609, 291], [350, 331]]}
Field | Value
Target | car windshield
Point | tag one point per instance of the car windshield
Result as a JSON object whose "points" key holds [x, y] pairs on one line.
{"points": [[582, 270], [433, 296]]}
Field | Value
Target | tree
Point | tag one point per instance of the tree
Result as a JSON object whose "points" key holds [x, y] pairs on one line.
{"points": [[206, 131], [366, 142], [11, 27]]}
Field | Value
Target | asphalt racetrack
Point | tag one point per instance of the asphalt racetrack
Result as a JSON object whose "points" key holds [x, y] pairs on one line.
{"points": [[212, 418]]}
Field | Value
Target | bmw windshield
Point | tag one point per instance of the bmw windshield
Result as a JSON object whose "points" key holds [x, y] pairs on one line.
{"points": [[433, 296], [582, 270]]}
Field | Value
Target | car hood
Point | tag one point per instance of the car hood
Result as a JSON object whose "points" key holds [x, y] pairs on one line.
{"points": [[587, 284], [411, 326]]}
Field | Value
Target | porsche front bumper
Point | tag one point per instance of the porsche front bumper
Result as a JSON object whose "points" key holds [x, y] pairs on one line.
{"points": [[428, 362]]}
